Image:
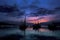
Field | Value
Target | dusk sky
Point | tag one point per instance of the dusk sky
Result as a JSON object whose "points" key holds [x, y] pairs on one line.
{"points": [[30, 9]]}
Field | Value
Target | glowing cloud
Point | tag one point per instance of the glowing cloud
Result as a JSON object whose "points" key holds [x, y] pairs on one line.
{"points": [[40, 19]]}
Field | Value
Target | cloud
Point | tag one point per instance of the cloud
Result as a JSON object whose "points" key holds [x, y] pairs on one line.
{"points": [[25, 5], [44, 18]]}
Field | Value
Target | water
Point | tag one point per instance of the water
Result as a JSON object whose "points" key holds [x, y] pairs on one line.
{"points": [[31, 34]]}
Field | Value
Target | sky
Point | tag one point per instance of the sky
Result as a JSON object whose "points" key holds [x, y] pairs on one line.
{"points": [[32, 10]]}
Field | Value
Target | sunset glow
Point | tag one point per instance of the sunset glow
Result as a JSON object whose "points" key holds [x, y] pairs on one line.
{"points": [[35, 20], [39, 21]]}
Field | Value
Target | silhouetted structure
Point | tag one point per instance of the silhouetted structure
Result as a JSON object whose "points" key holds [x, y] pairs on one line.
{"points": [[23, 26], [52, 26], [36, 26]]}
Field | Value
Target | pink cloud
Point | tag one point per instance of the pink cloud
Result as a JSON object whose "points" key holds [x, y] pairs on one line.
{"points": [[40, 19]]}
